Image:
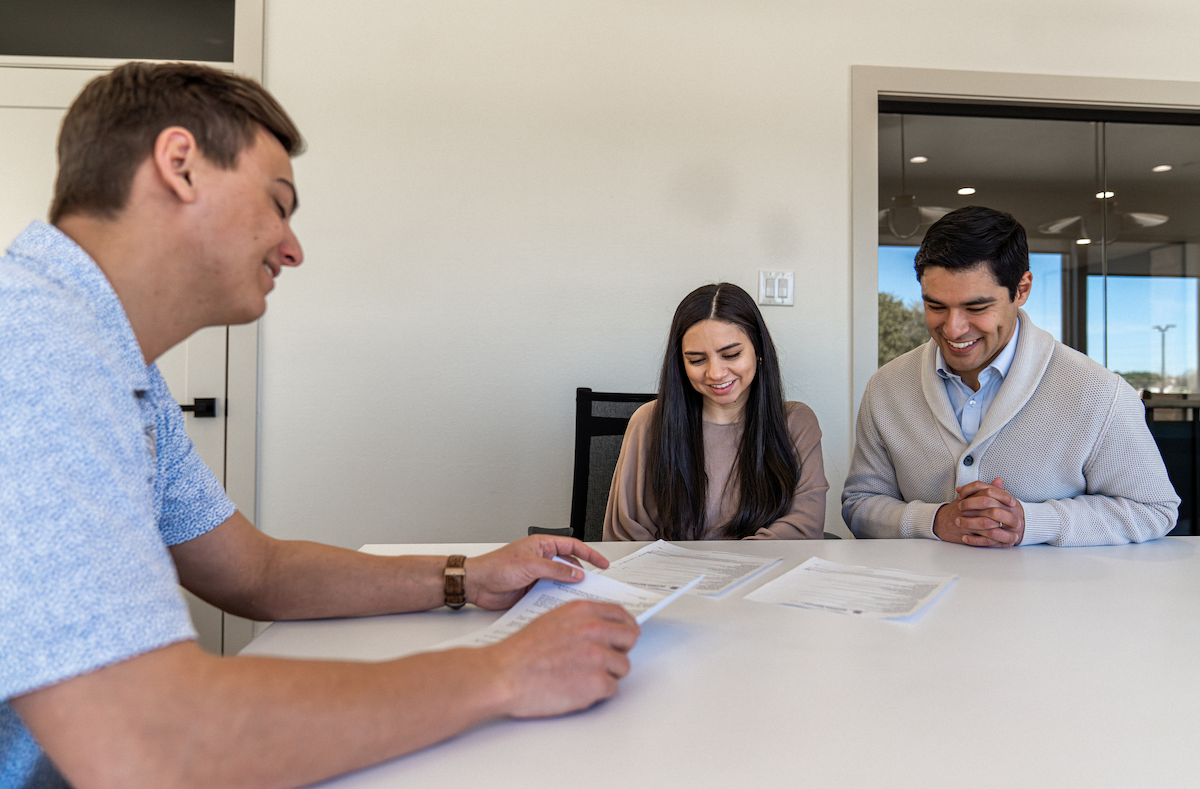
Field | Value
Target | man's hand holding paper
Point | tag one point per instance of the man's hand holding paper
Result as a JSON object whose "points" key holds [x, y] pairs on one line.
{"points": [[499, 579], [546, 596], [567, 659]]}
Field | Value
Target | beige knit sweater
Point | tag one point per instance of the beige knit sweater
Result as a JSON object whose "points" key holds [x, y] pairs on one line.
{"points": [[1067, 436], [632, 514]]}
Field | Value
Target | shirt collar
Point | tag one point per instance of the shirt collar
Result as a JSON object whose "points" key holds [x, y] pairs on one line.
{"points": [[1000, 364]]}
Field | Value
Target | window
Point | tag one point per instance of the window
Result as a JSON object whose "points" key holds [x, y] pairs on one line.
{"points": [[1110, 200], [122, 29]]}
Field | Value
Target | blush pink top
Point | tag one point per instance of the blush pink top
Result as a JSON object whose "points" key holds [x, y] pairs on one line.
{"points": [[632, 514]]}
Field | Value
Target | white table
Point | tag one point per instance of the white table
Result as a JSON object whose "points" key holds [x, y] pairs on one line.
{"points": [[1040, 667]]}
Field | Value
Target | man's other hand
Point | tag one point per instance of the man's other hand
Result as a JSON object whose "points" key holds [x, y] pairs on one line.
{"points": [[567, 659], [983, 515], [500, 578]]}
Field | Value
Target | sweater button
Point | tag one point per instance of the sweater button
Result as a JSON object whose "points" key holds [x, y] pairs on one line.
{"points": [[969, 460]]}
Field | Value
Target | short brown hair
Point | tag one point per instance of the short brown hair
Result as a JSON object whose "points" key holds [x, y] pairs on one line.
{"points": [[112, 126]]}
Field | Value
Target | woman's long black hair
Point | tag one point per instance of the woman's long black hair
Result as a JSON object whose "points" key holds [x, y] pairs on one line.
{"points": [[766, 468]]}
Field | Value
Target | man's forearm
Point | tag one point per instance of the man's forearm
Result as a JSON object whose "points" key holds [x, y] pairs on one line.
{"points": [[245, 572], [306, 580], [1098, 520], [179, 717], [881, 516]]}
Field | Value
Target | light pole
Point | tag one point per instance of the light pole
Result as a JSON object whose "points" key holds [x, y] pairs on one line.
{"points": [[1162, 375]]}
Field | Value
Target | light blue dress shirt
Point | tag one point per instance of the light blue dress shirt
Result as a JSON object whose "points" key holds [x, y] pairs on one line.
{"points": [[98, 478], [971, 407]]}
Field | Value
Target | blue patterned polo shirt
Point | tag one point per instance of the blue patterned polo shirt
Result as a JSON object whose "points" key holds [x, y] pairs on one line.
{"points": [[97, 478]]}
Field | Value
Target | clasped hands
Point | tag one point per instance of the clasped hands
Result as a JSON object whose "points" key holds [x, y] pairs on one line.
{"points": [[983, 515]]}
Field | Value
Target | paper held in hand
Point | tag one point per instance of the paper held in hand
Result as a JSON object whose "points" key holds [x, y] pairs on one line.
{"points": [[874, 592], [667, 567], [547, 595]]}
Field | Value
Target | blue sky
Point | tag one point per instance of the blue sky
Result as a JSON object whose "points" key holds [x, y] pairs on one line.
{"points": [[1135, 304]]}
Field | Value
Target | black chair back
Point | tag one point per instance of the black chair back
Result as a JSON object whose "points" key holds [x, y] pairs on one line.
{"points": [[1174, 421], [600, 422]]}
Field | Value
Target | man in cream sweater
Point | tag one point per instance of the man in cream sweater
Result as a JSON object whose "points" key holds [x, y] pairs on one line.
{"points": [[994, 434]]}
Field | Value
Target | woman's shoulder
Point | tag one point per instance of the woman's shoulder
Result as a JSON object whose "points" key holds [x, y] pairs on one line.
{"points": [[801, 419], [639, 421]]}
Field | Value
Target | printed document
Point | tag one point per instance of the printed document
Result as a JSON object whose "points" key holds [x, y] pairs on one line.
{"points": [[546, 595], [668, 567], [862, 591]]}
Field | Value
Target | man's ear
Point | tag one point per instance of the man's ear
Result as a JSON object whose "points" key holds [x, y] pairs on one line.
{"points": [[175, 157], [1023, 288]]}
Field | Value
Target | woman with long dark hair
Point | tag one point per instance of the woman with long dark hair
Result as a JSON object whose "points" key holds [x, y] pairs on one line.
{"points": [[719, 454]]}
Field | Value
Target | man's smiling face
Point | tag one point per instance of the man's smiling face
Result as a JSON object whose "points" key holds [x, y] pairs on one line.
{"points": [[244, 216], [970, 315]]}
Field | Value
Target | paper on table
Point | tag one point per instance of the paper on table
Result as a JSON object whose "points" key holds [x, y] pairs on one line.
{"points": [[863, 591], [546, 595], [667, 567]]}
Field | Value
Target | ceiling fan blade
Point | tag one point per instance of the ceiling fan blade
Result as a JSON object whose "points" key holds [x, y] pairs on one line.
{"points": [[1058, 225], [1147, 220], [932, 213]]}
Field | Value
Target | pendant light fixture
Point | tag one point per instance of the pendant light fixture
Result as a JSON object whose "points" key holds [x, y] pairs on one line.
{"points": [[905, 218]]}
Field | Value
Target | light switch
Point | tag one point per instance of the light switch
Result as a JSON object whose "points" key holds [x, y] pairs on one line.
{"points": [[775, 288]]}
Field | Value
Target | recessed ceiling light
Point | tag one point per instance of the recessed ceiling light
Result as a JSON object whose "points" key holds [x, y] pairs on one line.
{"points": [[1105, 195], [1083, 241], [1160, 168], [921, 159], [967, 190]]}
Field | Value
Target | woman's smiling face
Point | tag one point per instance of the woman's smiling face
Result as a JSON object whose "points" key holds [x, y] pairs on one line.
{"points": [[720, 362]]}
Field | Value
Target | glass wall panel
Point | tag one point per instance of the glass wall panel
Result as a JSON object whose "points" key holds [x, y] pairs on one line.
{"points": [[1037, 170], [1151, 329], [1112, 213], [1152, 202]]}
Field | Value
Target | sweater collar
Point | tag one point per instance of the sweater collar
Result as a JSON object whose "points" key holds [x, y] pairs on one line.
{"points": [[1033, 350]]}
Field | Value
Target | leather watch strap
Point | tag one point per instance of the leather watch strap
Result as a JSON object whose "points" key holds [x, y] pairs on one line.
{"points": [[456, 581]]}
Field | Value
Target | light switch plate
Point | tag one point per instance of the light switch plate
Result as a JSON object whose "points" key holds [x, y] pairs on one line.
{"points": [[776, 288]]}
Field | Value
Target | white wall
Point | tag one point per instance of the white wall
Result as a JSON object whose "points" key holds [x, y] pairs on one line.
{"points": [[503, 201]]}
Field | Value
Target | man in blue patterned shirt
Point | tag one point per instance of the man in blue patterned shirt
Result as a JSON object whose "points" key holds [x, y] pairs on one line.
{"points": [[171, 212]]}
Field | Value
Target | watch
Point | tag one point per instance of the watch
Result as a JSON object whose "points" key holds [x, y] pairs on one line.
{"points": [[456, 581]]}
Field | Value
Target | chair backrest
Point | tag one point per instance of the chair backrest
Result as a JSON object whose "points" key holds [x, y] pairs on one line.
{"points": [[600, 422]]}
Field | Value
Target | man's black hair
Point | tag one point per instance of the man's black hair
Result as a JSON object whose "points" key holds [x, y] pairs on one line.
{"points": [[971, 236]]}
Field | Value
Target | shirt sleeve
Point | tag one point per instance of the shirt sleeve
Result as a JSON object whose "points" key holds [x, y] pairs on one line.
{"points": [[1128, 496], [630, 514], [85, 579], [872, 505], [190, 499], [806, 520]]}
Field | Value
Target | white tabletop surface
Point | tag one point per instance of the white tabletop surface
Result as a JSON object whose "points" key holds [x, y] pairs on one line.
{"points": [[1040, 667]]}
